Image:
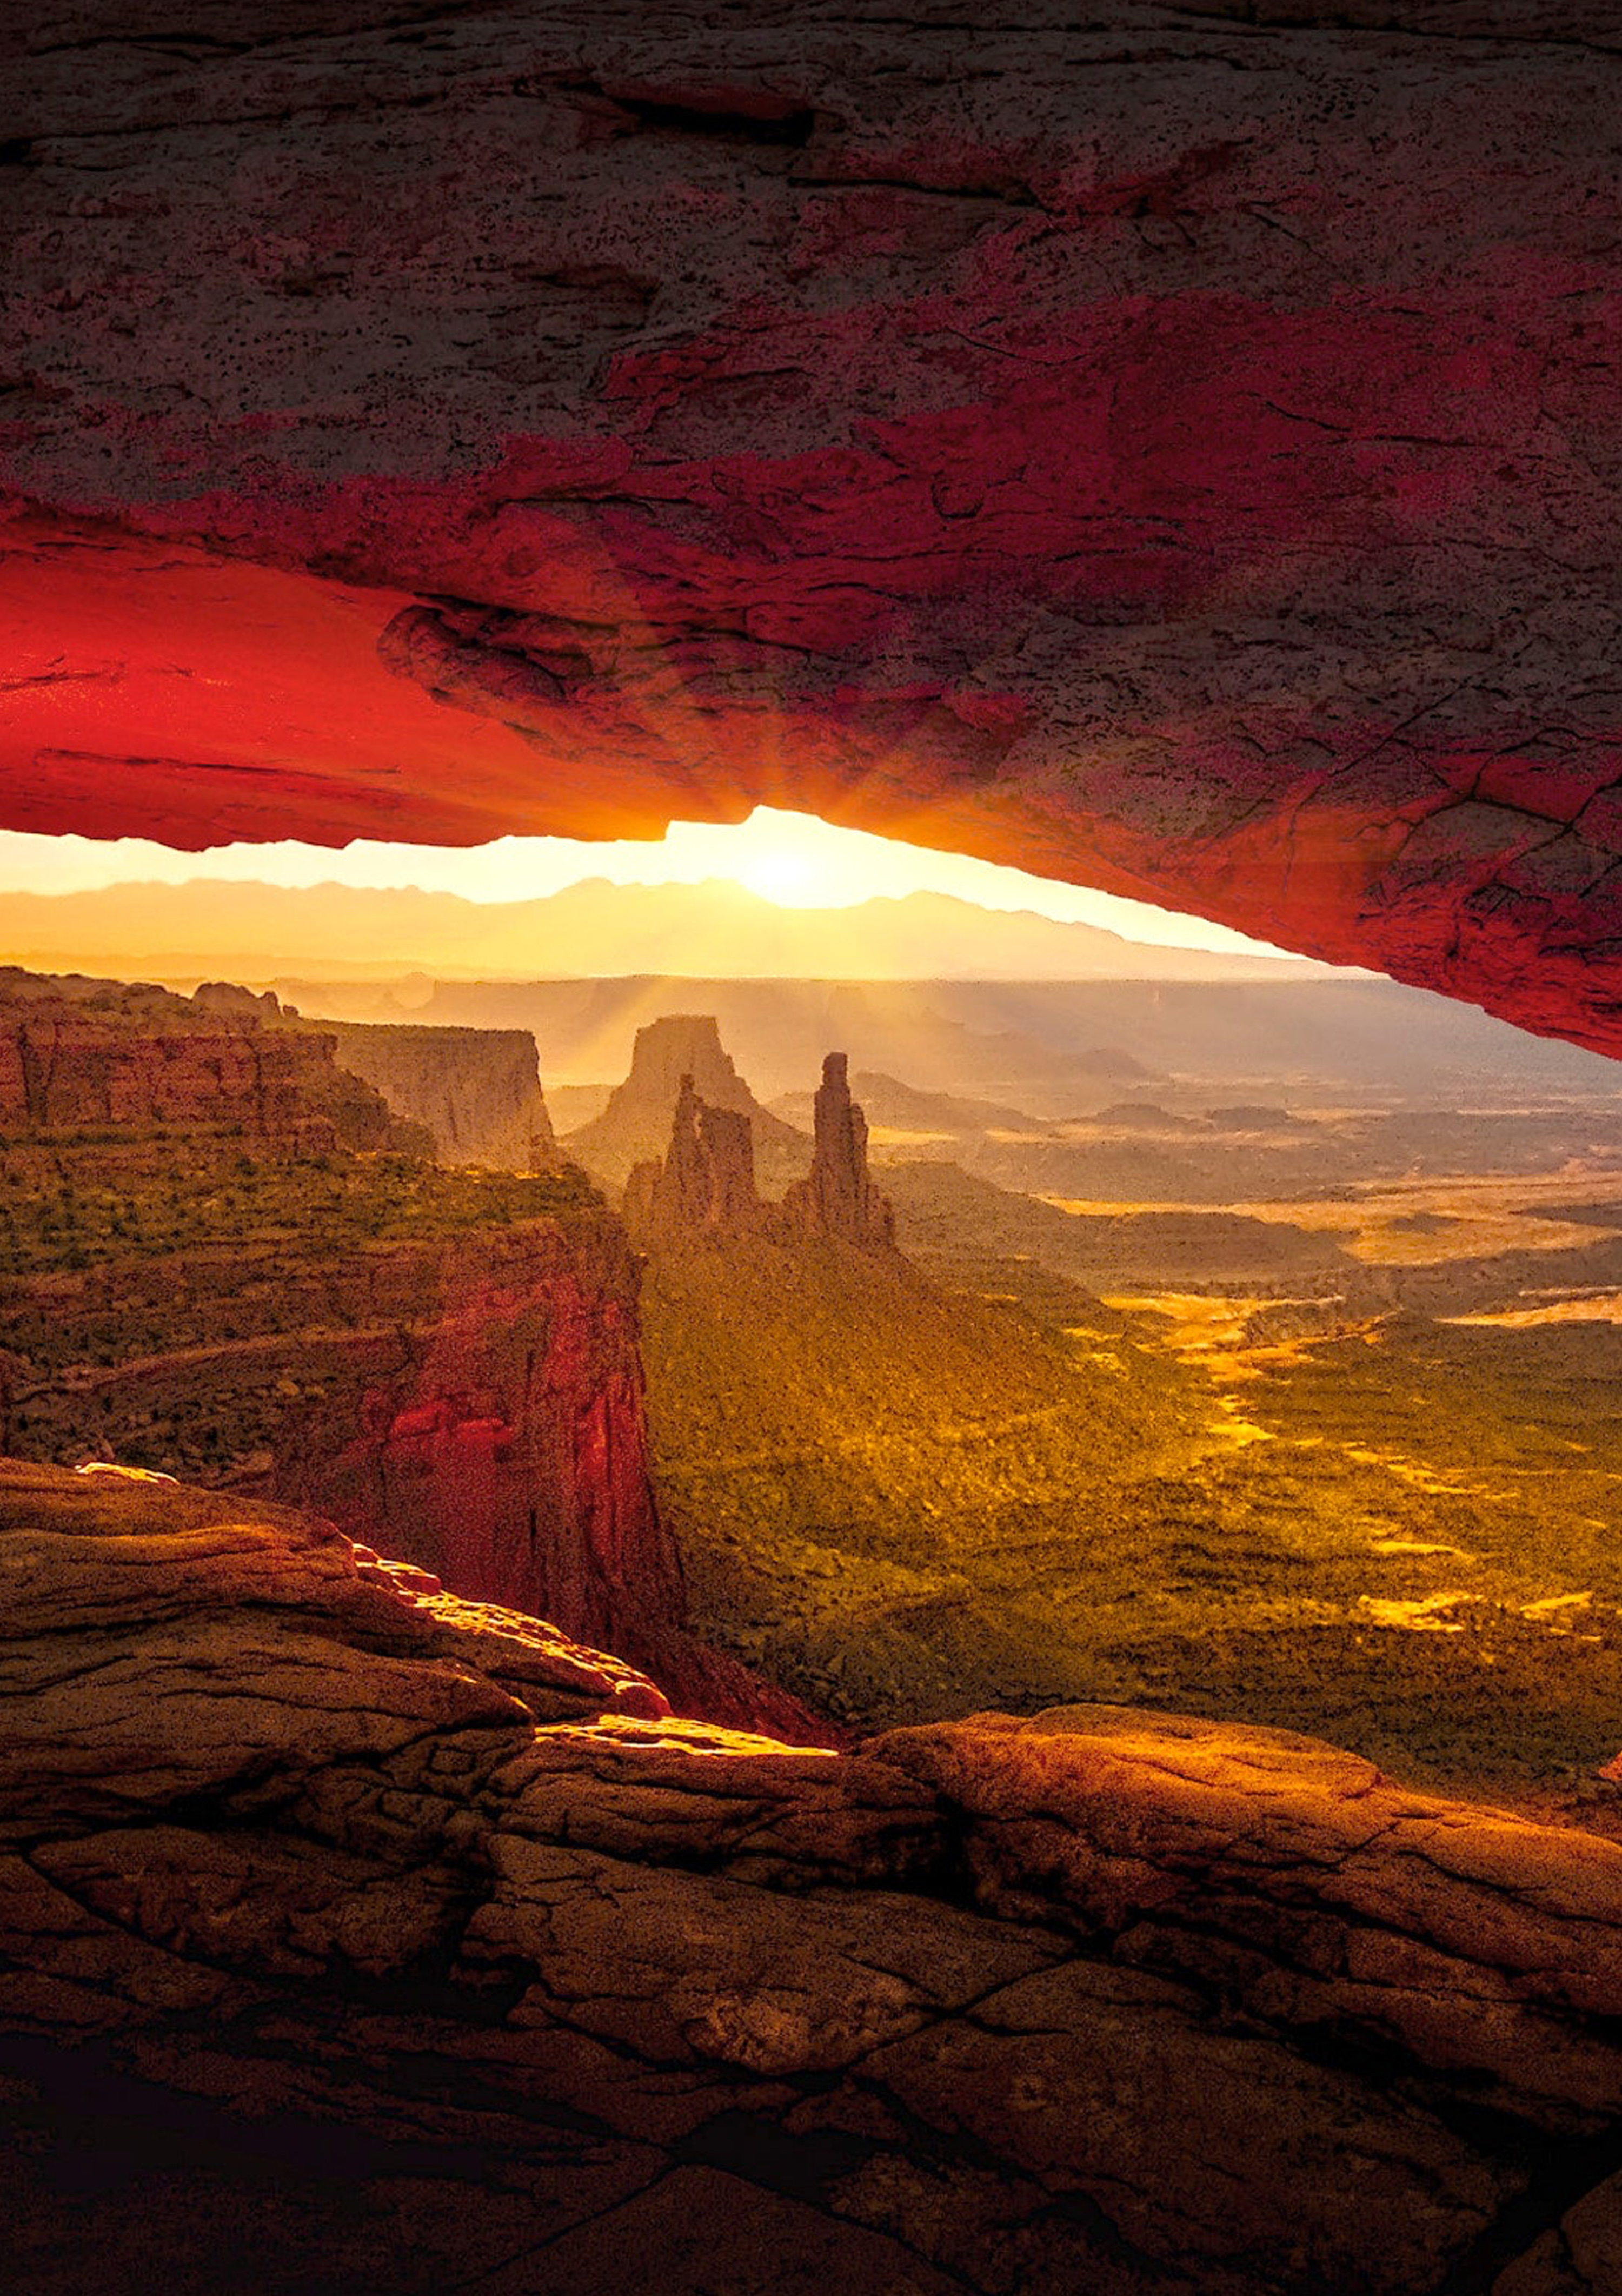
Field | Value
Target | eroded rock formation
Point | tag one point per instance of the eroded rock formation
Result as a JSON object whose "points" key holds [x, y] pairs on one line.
{"points": [[1179, 453], [839, 1199], [200, 1280], [704, 1184], [683, 1052], [77, 1053], [477, 1091], [1104, 2000]]}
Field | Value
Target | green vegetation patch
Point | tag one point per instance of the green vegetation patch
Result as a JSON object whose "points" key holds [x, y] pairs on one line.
{"points": [[903, 1503], [71, 1205]]}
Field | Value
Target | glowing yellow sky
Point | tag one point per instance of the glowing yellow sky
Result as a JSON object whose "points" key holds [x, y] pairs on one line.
{"points": [[791, 859]]}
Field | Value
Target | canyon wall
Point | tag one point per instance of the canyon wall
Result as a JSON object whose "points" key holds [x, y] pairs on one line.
{"points": [[76, 1053], [476, 1090], [498, 1440], [475, 1093], [206, 1282], [476, 1385]]}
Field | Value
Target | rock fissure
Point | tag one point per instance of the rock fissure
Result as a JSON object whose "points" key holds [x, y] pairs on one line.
{"points": [[871, 1958]]}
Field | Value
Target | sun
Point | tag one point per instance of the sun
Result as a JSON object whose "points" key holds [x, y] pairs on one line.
{"points": [[779, 874], [794, 859]]}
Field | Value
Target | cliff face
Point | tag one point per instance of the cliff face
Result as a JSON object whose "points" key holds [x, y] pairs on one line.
{"points": [[475, 1093], [77, 1053], [476, 1090], [480, 1387], [557, 1991], [452, 1354], [503, 1446]]}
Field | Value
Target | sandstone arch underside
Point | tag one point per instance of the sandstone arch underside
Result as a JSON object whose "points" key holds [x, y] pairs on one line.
{"points": [[1177, 448]]}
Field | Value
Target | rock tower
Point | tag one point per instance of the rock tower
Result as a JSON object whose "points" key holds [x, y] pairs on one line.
{"points": [[839, 1199]]}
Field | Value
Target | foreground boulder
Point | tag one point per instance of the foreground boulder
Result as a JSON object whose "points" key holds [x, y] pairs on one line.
{"points": [[394, 1941]]}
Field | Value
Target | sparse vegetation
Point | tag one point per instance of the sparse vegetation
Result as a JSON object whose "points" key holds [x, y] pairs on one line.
{"points": [[171, 1193], [903, 1507], [177, 1304]]}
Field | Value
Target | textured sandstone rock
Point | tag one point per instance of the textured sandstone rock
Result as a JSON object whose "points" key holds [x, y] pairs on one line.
{"points": [[477, 1388], [682, 1052], [1178, 451], [625, 1998], [76, 1053], [705, 1183], [1581, 2256], [1306, 1885], [477, 1091], [499, 1440], [838, 1199]]}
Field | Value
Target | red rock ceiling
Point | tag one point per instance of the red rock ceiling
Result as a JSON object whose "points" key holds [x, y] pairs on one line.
{"points": [[1177, 448]]}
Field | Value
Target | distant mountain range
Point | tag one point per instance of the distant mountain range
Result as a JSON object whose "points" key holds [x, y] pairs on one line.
{"points": [[213, 929]]}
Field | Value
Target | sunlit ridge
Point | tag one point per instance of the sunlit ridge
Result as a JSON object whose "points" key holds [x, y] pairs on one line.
{"points": [[795, 860]]}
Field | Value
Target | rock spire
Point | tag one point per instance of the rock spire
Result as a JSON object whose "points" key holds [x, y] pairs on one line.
{"points": [[706, 1182], [839, 1199]]}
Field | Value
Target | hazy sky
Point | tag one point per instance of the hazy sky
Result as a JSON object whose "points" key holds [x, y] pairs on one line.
{"points": [[793, 858]]}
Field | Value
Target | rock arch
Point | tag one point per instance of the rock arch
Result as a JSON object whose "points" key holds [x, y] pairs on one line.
{"points": [[1175, 449]]}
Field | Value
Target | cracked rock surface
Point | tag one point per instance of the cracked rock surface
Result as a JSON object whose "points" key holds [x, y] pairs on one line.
{"points": [[400, 1944], [1172, 447]]}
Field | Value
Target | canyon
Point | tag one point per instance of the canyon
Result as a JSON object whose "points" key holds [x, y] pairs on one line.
{"points": [[1173, 448], [810, 1492], [476, 1093], [201, 1279]]}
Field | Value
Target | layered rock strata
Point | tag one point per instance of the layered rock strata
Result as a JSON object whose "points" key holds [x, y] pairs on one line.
{"points": [[202, 1281], [479, 1393], [477, 1091], [79, 1054], [405, 1938], [680, 1053], [705, 1183]]}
